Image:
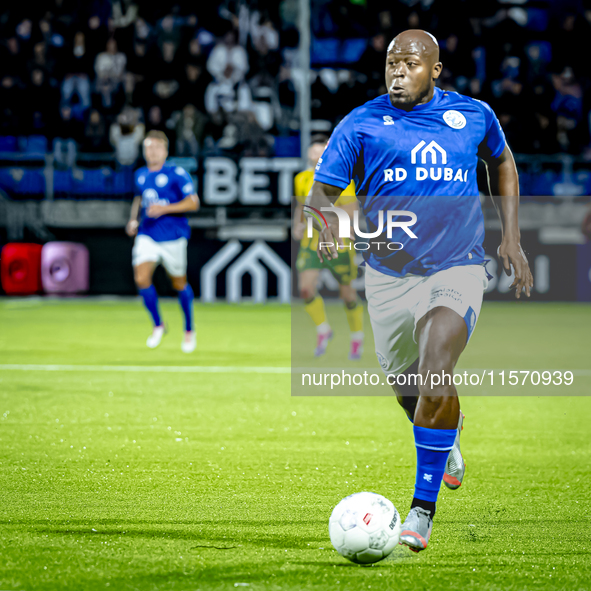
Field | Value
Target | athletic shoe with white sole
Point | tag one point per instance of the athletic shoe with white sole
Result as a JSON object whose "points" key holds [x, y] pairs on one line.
{"points": [[156, 337], [416, 529], [189, 341], [455, 467], [322, 343]]}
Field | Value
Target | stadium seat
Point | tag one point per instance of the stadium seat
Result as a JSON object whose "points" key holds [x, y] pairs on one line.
{"points": [[36, 144], [286, 147], [8, 143], [20, 268], [32, 182], [64, 267]]}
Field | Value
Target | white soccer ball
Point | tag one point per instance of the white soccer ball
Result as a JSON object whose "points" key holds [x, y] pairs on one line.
{"points": [[364, 527]]}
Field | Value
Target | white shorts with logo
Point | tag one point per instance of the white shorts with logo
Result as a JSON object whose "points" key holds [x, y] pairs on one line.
{"points": [[172, 254], [396, 304]]}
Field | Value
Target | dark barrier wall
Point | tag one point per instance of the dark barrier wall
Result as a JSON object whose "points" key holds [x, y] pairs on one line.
{"points": [[562, 272]]}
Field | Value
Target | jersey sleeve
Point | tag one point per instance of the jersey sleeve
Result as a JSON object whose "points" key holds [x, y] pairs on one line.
{"points": [[185, 182], [494, 137], [137, 187], [338, 160]]}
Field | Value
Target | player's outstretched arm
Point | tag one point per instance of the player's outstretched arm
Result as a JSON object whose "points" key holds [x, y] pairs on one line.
{"points": [[323, 195], [133, 223], [190, 203], [504, 189]]}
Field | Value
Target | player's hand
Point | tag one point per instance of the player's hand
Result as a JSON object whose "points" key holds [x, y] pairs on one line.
{"points": [[329, 234], [512, 255], [131, 228], [156, 211], [297, 231]]}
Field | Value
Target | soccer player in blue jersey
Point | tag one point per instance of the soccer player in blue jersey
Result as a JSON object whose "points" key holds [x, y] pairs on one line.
{"points": [[163, 194], [413, 154]]}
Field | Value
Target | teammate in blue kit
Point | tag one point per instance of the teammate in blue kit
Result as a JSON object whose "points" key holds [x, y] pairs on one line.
{"points": [[413, 153], [163, 194]]}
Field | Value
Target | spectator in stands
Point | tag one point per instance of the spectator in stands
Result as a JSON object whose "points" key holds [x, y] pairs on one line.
{"points": [[371, 63], [78, 69], [11, 105], [95, 134], [136, 60], [190, 131], [168, 31], [12, 58], [194, 53], [126, 136], [42, 61], [110, 64], [194, 83], [98, 14], [264, 59], [154, 120], [43, 102], [124, 15], [69, 134], [458, 64], [568, 106], [228, 62], [166, 97]]}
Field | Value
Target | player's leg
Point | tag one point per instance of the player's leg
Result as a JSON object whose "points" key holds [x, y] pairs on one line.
{"points": [[186, 297], [143, 273], [344, 268], [442, 335], [174, 259], [446, 318], [314, 306], [146, 256], [354, 312]]}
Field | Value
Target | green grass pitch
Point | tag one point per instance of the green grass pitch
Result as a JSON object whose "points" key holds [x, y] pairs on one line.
{"points": [[189, 480]]}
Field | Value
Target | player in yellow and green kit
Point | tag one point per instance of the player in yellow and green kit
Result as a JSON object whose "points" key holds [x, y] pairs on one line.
{"points": [[342, 268]]}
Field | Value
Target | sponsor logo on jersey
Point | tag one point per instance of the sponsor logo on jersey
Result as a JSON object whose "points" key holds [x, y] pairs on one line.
{"points": [[454, 119], [388, 120], [150, 197], [423, 154]]}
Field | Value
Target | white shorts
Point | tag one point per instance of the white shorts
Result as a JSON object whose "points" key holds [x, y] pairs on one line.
{"points": [[396, 304], [172, 254]]}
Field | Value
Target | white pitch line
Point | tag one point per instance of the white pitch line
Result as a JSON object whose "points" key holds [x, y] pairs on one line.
{"points": [[148, 368], [226, 369]]}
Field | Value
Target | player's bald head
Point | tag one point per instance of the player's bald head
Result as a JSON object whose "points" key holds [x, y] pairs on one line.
{"points": [[416, 41]]}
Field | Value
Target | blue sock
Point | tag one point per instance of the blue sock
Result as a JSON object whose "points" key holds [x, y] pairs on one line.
{"points": [[433, 446], [186, 301], [151, 302]]}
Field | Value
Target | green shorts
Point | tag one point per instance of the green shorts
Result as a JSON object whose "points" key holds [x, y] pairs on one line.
{"points": [[343, 268]]}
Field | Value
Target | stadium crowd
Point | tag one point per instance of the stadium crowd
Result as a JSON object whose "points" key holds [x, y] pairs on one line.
{"points": [[96, 75]]}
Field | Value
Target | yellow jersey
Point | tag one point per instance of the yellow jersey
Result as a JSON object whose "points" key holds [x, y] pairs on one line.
{"points": [[303, 183]]}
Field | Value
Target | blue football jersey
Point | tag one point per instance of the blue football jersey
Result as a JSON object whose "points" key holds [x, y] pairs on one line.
{"points": [[422, 161], [170, 184]]}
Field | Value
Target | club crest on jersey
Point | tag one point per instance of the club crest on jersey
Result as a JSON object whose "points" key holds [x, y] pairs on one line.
{"points": [[388, 120], [161, 180], [454, 119]]}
